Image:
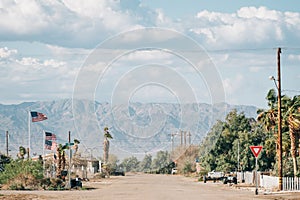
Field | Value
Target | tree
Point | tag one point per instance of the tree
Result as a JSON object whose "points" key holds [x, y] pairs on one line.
{"points": [[145, 165], [130, 164], [76, 143], [290, 124], [61, 156], [269, 117], [22, 152], [291, 118], [237, 132], [113, 162], [161, 160]]}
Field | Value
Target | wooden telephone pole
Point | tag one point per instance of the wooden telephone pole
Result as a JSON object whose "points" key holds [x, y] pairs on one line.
{"points": [[6, 136], [172, 139], [279, 139]]}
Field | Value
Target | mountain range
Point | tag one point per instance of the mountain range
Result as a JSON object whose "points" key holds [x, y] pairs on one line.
{"points": [[137, 128]]}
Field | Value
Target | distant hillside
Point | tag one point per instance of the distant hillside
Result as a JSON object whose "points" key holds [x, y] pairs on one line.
{"points": [[136, 128]]}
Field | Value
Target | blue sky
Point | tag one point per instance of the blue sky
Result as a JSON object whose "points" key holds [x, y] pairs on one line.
{"points": [[46, 49], [178, 8]]}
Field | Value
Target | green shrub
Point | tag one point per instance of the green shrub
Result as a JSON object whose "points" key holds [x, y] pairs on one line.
{"points": [[22, 174], [16, 186], [187, 168]]}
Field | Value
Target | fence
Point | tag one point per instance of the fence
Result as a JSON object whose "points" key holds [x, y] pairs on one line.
{"points": [[290, 183], [269, 182], [246, 177]]}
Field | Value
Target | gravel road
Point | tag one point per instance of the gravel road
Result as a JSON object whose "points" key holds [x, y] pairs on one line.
{"points": [[148, 187]]}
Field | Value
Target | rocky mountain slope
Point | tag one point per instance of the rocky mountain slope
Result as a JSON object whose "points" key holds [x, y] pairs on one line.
{"points": [[137, 128]]}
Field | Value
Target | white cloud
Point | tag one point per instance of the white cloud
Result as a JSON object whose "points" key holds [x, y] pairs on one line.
{"points": [[86, 23], [260, 13], [31, 78], [67, 30], [292, 19], [63, 52], [20, 17], [6, 53], [231, 85], [247, 26], [294, 57], [90, 9], [148, 55], [29, 61], [69, 23]]}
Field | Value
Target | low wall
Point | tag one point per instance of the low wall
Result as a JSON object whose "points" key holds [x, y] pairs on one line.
{"points": [[269, 182], [265, 181]]}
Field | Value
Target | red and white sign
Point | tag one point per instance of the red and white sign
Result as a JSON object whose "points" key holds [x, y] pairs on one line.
{"points": [[256, 150]]}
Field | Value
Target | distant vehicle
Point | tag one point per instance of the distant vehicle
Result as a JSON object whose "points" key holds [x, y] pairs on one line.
{"points": [[230, 179], [76, 182], [117, 173], [219, 176], [174, 171], [213, 176]]}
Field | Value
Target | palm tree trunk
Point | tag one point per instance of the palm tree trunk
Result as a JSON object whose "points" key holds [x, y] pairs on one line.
{"points": [[75, 149], [293, 151], [63, 160], [293, 136], [58, 171], [105, 150]]}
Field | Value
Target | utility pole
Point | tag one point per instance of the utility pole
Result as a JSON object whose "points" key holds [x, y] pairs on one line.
{"points": [[279, 139], [172, 138], [189, 135], [181, 138], [6, 136], [184, 138], [238, 157], [70, 157]]}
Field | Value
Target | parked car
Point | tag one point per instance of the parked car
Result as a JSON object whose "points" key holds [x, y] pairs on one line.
{"points": [[174, 171], [213, 176], [76, 183], [230, 179], [117, 173]]}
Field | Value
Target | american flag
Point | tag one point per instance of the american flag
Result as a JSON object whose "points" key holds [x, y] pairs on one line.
{"points": [[50, 141], [50, 145], [36, 116], [50, 136]]}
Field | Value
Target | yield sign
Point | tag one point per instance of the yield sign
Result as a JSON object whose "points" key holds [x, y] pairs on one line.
{"points": [[256, 150]]}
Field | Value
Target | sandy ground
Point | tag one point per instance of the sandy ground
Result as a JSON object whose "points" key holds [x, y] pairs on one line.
{"points": [[145, 186]]}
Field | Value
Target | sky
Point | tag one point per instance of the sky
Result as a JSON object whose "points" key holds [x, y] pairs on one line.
{"points": [[122, 51]]}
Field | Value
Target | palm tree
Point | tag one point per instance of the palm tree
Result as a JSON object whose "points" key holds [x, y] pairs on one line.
{"points": [[22, 152], [76, 142], [291, 118], [61, 155], [107, 136], [269, 117]]}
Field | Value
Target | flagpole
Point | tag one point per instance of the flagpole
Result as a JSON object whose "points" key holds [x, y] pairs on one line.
{"points": [[44, 160], [29, 130]]}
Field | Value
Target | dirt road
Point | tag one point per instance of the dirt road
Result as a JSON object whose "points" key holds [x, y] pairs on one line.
{"points": [[144, 186]]}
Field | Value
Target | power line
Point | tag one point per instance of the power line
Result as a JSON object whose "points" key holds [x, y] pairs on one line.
{"points": [[185, 50], [297, 91]]}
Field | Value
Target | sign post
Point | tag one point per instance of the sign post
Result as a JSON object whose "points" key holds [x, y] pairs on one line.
{"points": [[256, 150], [70, 158]]}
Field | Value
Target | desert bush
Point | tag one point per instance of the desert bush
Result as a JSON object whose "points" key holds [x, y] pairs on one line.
{"points": [[20, 174]]}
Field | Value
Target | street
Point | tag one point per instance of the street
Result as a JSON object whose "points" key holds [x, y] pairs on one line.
{"points": [[147, 186]]}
